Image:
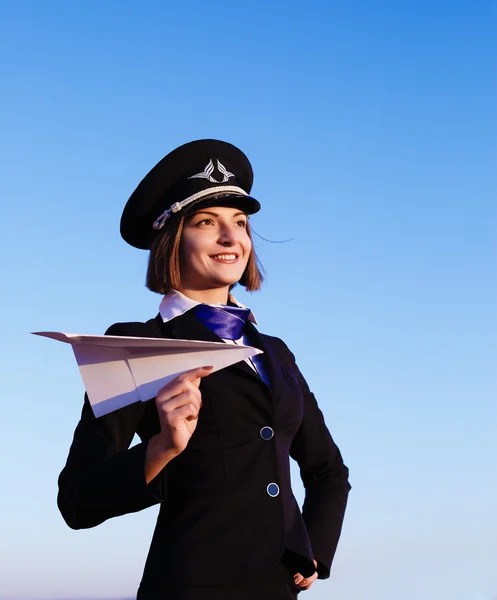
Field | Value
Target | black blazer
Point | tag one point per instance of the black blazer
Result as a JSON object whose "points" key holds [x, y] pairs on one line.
{"points": [[217, 523]]}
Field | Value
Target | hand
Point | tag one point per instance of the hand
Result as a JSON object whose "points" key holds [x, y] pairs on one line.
{"points": [[305, 582], [178, 406]]}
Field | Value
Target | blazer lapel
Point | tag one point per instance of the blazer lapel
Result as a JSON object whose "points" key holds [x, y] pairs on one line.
{"points": [[269, 358]]}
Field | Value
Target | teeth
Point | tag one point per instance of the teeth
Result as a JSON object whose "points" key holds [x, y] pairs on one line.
{"points": [[225, 256]]}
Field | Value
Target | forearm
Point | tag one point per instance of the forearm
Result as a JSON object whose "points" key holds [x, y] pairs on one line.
{"points": [[112, 487], [323, 512]]}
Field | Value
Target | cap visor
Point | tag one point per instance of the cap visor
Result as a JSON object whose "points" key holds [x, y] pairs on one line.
{"points": [[248, 204]]}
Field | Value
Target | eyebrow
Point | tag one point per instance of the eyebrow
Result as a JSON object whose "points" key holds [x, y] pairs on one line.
{"points": [[213, 214]]}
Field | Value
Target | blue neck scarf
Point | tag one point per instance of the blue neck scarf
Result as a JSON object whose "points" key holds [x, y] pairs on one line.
{"points": [[225, 321]]}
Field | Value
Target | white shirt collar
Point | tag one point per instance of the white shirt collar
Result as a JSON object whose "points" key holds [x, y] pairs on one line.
{"points": [[174, 304]]}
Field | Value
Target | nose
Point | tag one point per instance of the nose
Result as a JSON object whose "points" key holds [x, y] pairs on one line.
{"points": [[227, 236]]}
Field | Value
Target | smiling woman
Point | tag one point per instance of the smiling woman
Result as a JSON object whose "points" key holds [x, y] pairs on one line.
{"points": [[215, 448]]}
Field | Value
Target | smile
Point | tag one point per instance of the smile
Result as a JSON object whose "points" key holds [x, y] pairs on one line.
{"points": [[225, 258]]}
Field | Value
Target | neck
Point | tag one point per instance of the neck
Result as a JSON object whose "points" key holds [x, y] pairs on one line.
{"points": [[216, 296]]}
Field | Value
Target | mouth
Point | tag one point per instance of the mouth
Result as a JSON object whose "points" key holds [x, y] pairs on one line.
{"points": [[227, 257]]}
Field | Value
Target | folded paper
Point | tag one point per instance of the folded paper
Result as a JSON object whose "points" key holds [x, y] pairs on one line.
{"points": [[120, 370]]}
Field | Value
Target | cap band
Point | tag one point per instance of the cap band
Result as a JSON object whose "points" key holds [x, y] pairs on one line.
{"points": [[177, 206]]}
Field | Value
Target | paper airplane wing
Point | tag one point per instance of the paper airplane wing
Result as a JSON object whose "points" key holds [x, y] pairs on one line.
{"points": [[119, 370]]}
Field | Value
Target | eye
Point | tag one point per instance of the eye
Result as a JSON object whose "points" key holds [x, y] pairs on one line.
{"points": [[205, 221], [242, 223]]}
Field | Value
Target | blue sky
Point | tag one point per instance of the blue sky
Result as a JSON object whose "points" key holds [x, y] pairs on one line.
{"points": [[372, 129]]}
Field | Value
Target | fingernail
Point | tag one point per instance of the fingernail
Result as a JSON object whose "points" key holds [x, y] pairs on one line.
{"points": [[208, 368]]}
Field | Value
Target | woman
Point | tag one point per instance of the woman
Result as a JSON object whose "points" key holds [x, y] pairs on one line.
{"points": [[214, 448]]}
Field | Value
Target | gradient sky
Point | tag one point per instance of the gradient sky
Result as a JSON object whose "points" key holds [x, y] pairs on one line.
{"points": [[372, 129]]}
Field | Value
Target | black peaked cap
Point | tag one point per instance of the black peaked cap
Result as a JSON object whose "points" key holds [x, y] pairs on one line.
{"points": [[200, 173]]}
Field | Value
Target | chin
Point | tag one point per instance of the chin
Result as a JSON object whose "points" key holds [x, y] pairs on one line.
{"points": [[227, 280]]}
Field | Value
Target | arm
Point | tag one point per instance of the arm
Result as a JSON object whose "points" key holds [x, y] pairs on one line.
{"points": [[103, 477], [325, 479]]}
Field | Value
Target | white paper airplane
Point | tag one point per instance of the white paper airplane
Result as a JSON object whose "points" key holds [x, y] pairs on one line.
{"points": [[121, 370]]}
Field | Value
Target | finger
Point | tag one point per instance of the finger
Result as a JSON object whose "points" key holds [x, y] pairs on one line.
{"points": [[185, 407], [191, 387], [187, 412], [170, 392], [166, 406], [178, 385], [306, 582], [196, 373], [205, 371]]}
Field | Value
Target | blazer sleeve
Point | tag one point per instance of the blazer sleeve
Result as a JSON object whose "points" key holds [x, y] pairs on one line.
{"points": [[325, 479], [103, 477]]}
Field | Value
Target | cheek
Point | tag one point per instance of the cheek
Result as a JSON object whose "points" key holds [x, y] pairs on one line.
{"points": [[189, 248], [187, 257]]}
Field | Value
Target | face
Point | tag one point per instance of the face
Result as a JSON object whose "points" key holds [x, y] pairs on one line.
{"points": [[214, 249]]}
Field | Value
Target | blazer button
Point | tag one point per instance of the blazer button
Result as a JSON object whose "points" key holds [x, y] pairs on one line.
{"points": [[273, 490], [266, 433]]}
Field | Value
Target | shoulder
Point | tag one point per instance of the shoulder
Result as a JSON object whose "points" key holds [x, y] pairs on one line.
{"points": [[150, 328], [279, 346]]}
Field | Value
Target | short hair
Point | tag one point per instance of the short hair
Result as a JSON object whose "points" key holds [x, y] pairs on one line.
{"points": [[164, 273]]}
